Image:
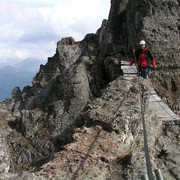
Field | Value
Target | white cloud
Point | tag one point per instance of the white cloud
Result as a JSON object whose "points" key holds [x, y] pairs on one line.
{"points": [[45, 12], [31, 28], [21, 53]]}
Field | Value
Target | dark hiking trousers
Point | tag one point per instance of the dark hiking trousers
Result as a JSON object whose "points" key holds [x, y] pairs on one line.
{"points": [[143, 71]]}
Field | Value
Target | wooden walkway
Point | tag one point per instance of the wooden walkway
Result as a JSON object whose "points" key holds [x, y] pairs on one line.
{"points": [[156, 104]]}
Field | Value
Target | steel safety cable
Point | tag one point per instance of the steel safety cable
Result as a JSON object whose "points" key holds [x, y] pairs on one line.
{"points": [[126, 54], [146, 149], [124, 49]]}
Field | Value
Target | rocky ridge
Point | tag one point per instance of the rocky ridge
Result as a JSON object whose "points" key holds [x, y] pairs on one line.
{"points": [[80, 119]]}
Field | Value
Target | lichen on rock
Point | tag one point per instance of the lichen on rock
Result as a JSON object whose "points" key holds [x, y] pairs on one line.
{"points": [[81, 119]]}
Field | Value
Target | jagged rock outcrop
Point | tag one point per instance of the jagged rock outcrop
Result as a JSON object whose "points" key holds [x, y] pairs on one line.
{"points": [[80, 118], [157, 22], [45, 114], [100, 31], [106, 145], [67, 53], [110, 144]]}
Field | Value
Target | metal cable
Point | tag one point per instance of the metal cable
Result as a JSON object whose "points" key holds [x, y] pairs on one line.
{"points": [[148, 164], [124, 49], [146, 149]]}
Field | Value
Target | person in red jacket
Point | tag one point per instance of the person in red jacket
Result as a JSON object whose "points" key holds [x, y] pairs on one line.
{"points": [[143, 55]]}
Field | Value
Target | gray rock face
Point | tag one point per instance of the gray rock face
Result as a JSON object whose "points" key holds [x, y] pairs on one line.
{"points": [[67, 53], [112, 106], [110, 144], [101, 151], [45, 114], [22, 176], [83, 117], [157, 22], [100, 31]]}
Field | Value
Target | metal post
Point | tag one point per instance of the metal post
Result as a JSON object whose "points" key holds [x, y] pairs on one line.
{"points": [[158, 174], [144, 177]]}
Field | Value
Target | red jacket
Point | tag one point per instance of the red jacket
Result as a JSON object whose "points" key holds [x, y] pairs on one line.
{"points": [[143, 57]]}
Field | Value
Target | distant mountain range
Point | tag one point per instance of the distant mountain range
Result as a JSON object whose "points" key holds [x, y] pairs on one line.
{"points": [[19, 74]]}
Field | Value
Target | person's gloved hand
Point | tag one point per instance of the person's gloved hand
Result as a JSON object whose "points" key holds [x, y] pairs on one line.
{"points": [[153, 63]]}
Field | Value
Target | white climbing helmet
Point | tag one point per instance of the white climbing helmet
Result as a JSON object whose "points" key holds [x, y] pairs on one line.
{"points": [[142, 42]]}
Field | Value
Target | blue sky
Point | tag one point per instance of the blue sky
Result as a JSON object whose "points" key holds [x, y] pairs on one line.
{"points": [[32, 28]]}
